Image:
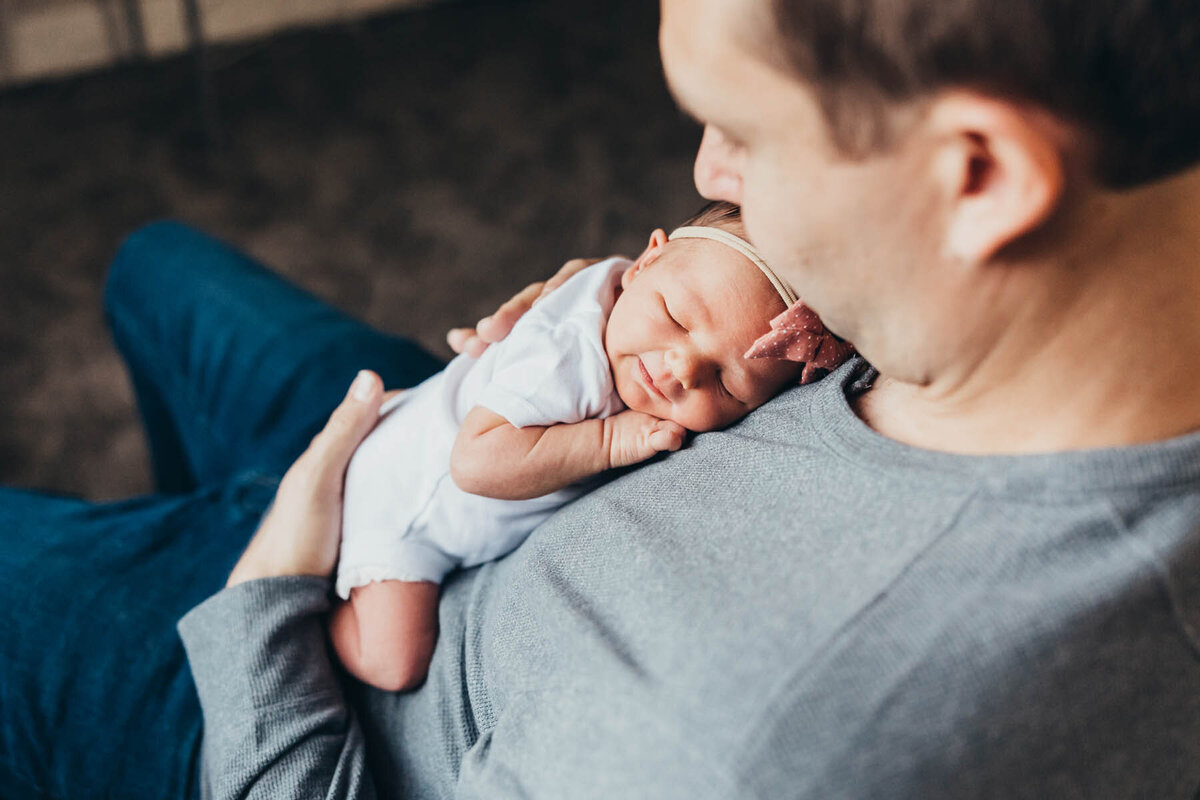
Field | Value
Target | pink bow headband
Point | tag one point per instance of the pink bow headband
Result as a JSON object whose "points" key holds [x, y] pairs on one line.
{"points": [[798, 333]]}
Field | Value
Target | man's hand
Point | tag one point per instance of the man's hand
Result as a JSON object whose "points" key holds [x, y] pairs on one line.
{"points": [[633, 437], [489, 330], [301, 533]]}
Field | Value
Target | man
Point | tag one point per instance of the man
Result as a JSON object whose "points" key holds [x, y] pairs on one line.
{"points": [[974, 574]]}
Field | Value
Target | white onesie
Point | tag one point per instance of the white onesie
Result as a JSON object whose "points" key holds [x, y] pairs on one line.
{"points": [[405, 518]]}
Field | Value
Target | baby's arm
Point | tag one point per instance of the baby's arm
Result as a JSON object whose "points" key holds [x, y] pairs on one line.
{"points": [[385, 633], [493, 458]]}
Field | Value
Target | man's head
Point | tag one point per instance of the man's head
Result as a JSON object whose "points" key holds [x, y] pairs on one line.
{"points": [[688, 311], [898, 161]]}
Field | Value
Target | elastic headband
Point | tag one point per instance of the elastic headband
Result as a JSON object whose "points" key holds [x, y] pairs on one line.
{"points": [[798, 333], [742, 246]]}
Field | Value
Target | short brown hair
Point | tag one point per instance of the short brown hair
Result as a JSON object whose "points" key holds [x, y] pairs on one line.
{"points": [[1126, 71]]}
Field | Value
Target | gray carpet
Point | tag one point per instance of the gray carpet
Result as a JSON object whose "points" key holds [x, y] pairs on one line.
{"points": [[387, 166]]}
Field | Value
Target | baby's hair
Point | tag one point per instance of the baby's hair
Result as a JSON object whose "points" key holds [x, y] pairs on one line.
{"points": [[718, 214]]}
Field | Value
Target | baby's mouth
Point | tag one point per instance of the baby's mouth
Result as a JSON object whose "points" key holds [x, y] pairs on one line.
{"points": [[648, 380]]}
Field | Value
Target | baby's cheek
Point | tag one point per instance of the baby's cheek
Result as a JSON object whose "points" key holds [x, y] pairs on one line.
{"points": [[634, 398], [706, 414]]}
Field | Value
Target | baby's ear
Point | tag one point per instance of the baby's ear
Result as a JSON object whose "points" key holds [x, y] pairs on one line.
{"points": [[658, 239]]}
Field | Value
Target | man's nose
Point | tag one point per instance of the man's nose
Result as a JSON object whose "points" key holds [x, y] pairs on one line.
{"points": [[716, 172]]}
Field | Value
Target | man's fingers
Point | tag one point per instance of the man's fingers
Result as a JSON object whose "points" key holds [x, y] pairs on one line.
{"points": [[475, 347], [457, 338], [465, 340], [494, 328], [564, 272], [489, 330]]}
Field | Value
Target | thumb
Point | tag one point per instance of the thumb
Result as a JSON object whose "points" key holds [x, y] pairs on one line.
{"points": [[351, 421]]}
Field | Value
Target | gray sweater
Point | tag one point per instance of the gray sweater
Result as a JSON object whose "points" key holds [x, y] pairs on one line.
{"points": [[795, 607]]}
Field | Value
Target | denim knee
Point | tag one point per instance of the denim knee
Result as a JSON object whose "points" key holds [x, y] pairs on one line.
{"points": [[141, 269]]}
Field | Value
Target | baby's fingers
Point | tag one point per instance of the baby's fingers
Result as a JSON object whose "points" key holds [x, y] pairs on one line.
{"points": [[667, 436]]}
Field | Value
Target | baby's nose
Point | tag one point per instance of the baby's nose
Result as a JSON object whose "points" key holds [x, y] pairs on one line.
{"points": [[686, 367]]}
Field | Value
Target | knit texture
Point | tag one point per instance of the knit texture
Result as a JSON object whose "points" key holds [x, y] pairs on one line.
{"points": [[794, 607]]}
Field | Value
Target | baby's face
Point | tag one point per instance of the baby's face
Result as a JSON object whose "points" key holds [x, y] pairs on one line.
{"points": [[678, 330]]}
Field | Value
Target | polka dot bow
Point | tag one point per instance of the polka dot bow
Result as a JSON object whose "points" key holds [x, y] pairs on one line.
{"points": [[799, 335]]}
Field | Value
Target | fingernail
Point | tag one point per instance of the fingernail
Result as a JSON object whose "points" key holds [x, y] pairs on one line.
{"points": [[483, 323], [361, 388]]}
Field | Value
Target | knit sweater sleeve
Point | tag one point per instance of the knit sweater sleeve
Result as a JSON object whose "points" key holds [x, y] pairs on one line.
{"points": [[276, 723]]}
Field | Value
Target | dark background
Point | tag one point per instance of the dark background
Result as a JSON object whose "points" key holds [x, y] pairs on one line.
{"points": [[414, 169]]}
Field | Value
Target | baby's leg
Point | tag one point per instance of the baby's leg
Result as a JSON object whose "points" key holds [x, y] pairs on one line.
{"points": [[385, 633]]}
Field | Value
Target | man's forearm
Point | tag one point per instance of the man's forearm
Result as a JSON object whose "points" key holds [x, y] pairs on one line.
{"points": [[276, 723]]}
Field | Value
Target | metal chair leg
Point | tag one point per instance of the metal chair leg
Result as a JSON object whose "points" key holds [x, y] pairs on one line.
{"points": [[206, 95], [136, 29]]}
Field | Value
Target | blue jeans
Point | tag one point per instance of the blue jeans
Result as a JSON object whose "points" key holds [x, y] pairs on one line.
{"points": [[235, 371]]}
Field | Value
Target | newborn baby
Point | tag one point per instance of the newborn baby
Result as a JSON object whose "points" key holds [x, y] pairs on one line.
{"points": [[611, 368]]}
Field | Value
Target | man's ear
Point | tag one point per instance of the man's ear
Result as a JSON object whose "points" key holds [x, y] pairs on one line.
{"points": [[1001, 167], [658, 240]]}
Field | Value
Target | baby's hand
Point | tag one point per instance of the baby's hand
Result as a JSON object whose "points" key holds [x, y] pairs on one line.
{"points": [[635, 436]]}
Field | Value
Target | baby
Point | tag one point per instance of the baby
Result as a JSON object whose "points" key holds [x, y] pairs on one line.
{"points": [[611, 368]]}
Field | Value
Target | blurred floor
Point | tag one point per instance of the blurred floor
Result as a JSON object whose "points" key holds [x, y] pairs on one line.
{"points": [[413, 169]]}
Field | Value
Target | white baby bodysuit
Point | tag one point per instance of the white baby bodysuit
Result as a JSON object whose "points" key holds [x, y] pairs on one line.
{"points": [[405, 518]]}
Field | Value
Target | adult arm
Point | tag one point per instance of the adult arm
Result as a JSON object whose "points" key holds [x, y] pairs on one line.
{"points": [[276, 721]]}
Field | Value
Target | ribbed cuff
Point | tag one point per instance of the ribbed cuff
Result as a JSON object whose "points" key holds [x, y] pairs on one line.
{"points": [[257, 644]]}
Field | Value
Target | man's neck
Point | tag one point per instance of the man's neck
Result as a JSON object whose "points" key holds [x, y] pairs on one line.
{"points": [[1111, 358]]}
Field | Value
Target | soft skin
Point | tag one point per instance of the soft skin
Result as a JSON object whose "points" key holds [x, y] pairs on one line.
{"points": [[677, 334], [687, 312]]}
